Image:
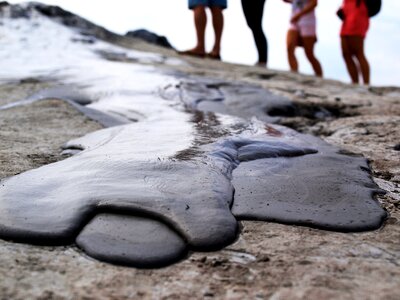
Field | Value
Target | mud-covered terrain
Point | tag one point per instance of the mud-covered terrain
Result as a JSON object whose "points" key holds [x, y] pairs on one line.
{"points": [[268, 260]]}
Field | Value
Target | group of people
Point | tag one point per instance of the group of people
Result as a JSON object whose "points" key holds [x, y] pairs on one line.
{"points": [[301, 33]]}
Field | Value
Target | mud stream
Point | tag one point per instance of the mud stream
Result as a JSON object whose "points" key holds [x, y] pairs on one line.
{"points": [[182, 159]]}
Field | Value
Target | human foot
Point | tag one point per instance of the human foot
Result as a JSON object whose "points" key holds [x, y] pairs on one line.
{"points": [[261, 64], [193, 52], [215, 56]]}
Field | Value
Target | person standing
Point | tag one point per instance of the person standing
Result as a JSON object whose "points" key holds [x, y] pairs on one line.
{"points": [[253, 12], [200, 21], [354, 14], [302, 32]]}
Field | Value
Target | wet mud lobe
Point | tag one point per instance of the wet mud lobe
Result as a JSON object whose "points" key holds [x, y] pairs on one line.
{"points": [[97, 180], [277, 177], [325, 190], [142, 242]]}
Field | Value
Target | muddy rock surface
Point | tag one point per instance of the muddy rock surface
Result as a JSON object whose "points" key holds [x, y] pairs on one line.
{"points": [[268, 260]]}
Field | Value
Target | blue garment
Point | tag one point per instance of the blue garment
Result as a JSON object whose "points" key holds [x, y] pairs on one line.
{"points": [[209, 3], [299, 4]]}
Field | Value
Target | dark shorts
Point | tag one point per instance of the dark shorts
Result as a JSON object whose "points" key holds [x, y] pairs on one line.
{"points": [[209, 3]]}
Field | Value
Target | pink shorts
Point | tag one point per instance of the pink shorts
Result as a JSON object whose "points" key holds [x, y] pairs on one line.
{"points": [[305, 29]]}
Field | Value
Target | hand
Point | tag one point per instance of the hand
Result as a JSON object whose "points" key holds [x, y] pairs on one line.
{"points": [[295, 18]]}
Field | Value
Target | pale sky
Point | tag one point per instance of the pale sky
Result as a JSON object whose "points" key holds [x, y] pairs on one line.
{"points": [[172, 19]]}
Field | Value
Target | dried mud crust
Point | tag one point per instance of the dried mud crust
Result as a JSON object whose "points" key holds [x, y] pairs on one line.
{"points": [[17, 90], [32, 134]]}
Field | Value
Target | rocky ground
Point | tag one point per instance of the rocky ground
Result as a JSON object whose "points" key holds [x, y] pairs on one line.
{"points": [[268, 260]]}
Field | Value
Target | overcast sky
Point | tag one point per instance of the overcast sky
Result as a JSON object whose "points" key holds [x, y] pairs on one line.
{"points": [[172, 19]]}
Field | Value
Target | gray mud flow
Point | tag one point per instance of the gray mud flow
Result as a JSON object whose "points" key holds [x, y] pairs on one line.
{"points": [[326, 190], [172, 174], [278, 175], [181, 169], [226, 97]]}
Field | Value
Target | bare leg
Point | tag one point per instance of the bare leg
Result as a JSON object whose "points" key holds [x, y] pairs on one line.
{"points": [[360, 55], [348, 59], [291, 43], [218, 24], [200, 22], [308, 44]]}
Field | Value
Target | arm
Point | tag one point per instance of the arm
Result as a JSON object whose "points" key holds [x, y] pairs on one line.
{"points": [[340, 14], [308, 8]]}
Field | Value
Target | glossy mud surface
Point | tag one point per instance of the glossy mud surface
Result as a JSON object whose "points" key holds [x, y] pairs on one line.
{"points": [[326, 190], [161, 180], [277, 178], [142, 242]]}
